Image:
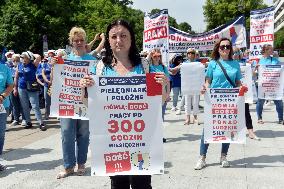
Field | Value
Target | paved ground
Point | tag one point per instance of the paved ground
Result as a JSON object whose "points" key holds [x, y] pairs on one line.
{"points": [[34, 158]]}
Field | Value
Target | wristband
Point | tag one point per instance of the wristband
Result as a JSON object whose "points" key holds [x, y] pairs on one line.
{"points": [[3, 96]]}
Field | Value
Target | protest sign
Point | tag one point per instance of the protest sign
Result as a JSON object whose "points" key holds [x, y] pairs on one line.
{"points": [[235, 30], [225, 116], [261, 30], [125, 126], [156, 34], [192, 78], [66, 99], [247, 81], [270, 82]]}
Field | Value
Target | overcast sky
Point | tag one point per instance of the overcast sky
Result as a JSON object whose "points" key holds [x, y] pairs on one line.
{"points": [[190, 11]]}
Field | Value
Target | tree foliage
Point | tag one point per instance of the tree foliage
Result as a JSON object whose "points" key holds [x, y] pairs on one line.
{"points": [[279, 41], [218, 12]]}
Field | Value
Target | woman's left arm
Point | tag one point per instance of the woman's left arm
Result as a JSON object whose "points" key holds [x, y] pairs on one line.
{"points": [[9, 87]]}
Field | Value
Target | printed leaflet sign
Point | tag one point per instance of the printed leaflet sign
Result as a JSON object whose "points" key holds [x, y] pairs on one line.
{"points": [[125, 126], [66, 93], [225, 116]]}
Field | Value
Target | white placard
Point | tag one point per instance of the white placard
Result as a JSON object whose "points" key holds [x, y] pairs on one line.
{"points": [[192, 78], [247, 81], [224, 120], [270, 82], [66, 101], [125, 127]]}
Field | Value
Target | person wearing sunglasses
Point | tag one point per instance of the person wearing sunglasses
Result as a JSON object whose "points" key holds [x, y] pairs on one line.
{"points": [[157, 66], [267, 59], [238, 56], [215, 78]]}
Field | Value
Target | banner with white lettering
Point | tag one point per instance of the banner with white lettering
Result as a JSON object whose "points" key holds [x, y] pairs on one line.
{"points": [[66, 93], [225, 116], [126, 126], [261, 30], [235, 30], [192, 78], [270, 82], [156, 34], [2, 109], [247, 81]]}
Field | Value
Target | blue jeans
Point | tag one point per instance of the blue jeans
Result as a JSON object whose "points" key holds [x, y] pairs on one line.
{"points": [[17, 109], [204, 147], [176, 92], [278, 104], [3, 119], [47, 102], [74, 131], [27, 97]]}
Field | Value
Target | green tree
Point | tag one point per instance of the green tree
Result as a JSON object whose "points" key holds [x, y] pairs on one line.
{"points": [[24, 22], [218, 12], [279, 41], [98, 14]]}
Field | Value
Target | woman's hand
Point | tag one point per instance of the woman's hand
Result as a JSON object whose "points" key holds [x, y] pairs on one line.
{"points": [[87, 81], [161, 78]]}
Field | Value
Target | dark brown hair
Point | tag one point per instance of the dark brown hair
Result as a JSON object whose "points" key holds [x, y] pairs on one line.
{"points": [[215, 53], [133, 51]]}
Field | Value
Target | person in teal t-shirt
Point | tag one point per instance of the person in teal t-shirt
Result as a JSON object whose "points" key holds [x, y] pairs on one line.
{"points": [[75, 132], [267, 59], [156, 66], [215, 78], [6, 87], [122, 58]]}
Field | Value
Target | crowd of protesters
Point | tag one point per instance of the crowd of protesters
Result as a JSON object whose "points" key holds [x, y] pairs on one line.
{"points": [[27, 79]]}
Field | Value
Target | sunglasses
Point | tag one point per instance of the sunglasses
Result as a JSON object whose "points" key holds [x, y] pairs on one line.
{"points": [[225, 47], [191, 53]]}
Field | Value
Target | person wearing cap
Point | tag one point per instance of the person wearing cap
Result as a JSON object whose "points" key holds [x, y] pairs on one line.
{"points": [[191, 100], [8, 56], [174, 70], [26, 75], [75, 132], [16, 106], [6, 87]]}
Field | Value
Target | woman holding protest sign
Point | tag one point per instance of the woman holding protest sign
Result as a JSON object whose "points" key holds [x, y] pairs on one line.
{"points": [[27, 87], [156, 65], [122, 58], [267, 59], [6, 87], [238, 56], [191, 101], [222, 64], [75, 131]]}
